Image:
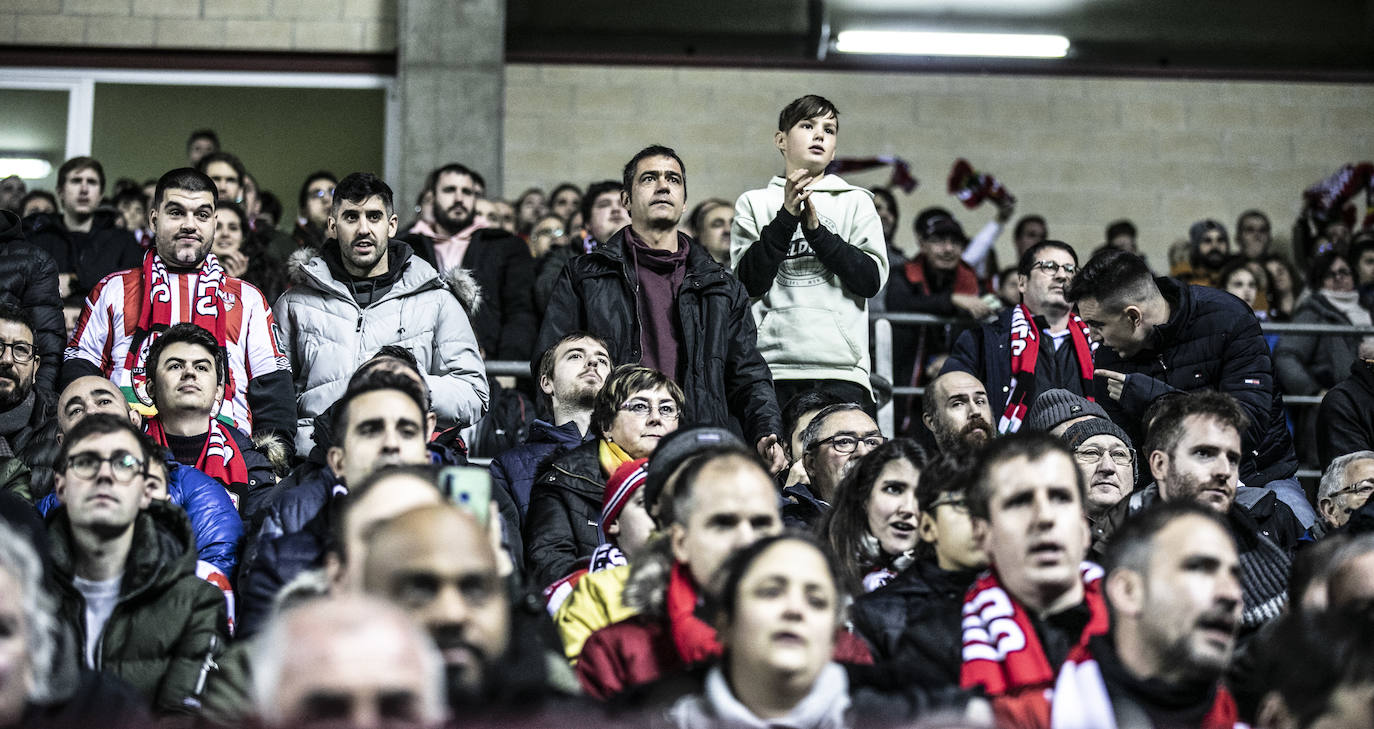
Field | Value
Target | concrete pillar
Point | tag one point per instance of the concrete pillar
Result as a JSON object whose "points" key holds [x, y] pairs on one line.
{"points": [[451, 85]]}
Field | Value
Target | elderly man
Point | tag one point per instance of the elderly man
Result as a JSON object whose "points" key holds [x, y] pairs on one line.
{"points": [[1173, 588], [1107, 461], [832, 443], [348, 662], [1345, 487], [957, 412]]}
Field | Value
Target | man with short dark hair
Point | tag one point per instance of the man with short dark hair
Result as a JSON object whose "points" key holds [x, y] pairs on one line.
{"points": [[499, 263], [1121, 234], [200, 143], [658, 299], [1041, 602], [365, 290], [182, 281], [1038, 345], [1163, 336], [571, 373], [86, 242], [1030, 230], [28, 414], [1173, 588], [603, 215], [314, 204], [186, 379], [125, 568], [227, 172]]}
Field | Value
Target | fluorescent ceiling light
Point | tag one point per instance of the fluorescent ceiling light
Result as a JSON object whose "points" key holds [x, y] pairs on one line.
{"points": [[29, 168], [921, 43]]}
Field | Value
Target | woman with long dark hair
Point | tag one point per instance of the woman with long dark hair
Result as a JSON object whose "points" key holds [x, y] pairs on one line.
{"points": [[872, 526]]}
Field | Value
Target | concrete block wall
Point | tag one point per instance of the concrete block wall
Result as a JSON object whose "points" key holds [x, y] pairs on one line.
{"points": [[346, 26], [1080, 151]]}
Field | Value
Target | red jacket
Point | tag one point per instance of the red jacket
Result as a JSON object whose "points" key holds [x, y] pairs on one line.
{"points": [[640, 650]]}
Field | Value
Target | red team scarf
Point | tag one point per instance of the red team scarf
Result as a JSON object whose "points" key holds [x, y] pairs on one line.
{"points": [[1002, 654], [220, 459], [155, 315], [1025, 349], [694, 638]]}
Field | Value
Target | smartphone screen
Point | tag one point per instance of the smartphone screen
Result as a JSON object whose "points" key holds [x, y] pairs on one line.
{"points": [[468, 487]]}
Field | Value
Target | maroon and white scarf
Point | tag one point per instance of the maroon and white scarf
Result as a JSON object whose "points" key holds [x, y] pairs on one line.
{"points": [[156, 314], [1025, 350]]}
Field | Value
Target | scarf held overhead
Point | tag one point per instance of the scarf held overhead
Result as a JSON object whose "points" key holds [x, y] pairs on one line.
{"points": [[1002, 652], [1025, 351]]}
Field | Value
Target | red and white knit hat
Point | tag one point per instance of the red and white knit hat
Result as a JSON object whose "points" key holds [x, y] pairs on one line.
{"points": [[621, 486]]}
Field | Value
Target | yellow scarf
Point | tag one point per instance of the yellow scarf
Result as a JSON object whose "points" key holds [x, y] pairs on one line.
{"points": [[611, 456]]}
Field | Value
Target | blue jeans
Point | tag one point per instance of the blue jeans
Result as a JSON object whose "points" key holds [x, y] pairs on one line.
{"points": [[1289, 492]]}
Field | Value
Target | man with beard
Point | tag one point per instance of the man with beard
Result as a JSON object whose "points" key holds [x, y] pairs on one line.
{"points": [[363, 291], [1193, 450], [957, 411], [832, 443], [28, 415], [437, 563], [570, 374], [1036, 346], [1164, 336], [182, 281], [499, 262], [86, 242], [1173, 588], [1209, 247]]}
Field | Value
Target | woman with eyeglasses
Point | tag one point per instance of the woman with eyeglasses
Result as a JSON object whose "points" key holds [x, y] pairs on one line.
{"points": [[634, 410], [1310, 364], [873, 524]]}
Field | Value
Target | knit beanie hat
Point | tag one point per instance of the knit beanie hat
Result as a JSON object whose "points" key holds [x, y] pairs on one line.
{"points": [[622, 485], [1075, 434], [1053, 407], [675, 448]]}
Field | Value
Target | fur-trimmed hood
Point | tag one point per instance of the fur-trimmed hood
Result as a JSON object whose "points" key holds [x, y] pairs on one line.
{"points": [[459, 281]]}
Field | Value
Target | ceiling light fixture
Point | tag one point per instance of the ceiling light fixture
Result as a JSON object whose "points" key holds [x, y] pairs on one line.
{"points": [[29, 168], [922, 43]]}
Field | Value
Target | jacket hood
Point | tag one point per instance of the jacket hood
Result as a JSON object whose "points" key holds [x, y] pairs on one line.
{"points": [[323, 269], [163, 548], [827, 183], [566, 435], [11, 228]]}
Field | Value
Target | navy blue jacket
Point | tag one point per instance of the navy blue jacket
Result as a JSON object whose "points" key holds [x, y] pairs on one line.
{"points": [[514, 470], [1211, 341], [985, 353], [214, 520]]}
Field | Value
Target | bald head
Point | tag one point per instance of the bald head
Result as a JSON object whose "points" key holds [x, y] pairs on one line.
{"points": [[354, 660], [957, 411], [86, 395], [1353, 582], [436, 563]]}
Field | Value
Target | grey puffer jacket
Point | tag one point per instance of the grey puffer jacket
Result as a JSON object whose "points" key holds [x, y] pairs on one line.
{"points": [[328, 335]]}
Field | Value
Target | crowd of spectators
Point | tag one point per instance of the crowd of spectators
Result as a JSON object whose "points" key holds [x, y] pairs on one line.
{"points": [[252, 488]]}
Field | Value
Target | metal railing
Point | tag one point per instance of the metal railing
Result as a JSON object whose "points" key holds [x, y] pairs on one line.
{"points": [[884, 367]]}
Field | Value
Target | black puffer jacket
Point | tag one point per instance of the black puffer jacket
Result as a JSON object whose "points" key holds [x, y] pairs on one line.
{"points": [[168, 625], [37, 445], [506, 322], [1211, 341], [28, 280], [725, 380], [565, 509], [108, 248], [1345, 420], [912, 623]]}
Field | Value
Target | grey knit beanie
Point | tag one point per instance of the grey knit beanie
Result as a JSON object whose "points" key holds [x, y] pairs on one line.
{"points": [[1075, 434], [1053, 407]]}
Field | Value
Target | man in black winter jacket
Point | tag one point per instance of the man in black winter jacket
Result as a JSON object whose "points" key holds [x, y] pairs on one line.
{"points": [[1163, 336], [505, 322], [28, 415], [659, 299], [1345, 421], [85, 242], [28, 280]]}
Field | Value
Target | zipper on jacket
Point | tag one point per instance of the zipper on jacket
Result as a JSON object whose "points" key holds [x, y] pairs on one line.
{"points": [[206, 667], [360, 324]]}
